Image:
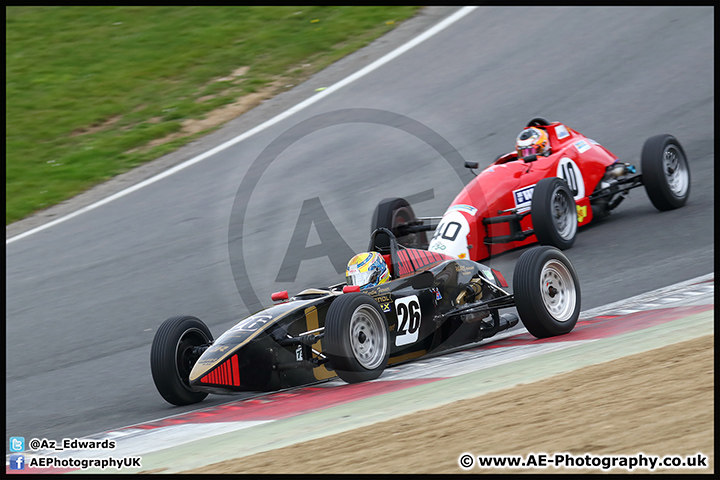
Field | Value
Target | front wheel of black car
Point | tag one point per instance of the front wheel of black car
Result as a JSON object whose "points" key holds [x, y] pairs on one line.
{"points": [[356, 337], [173, 356], [554, 214], [665, 172], [547, 292], [393, 214]]}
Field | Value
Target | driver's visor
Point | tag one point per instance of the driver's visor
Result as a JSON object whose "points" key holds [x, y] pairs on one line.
{"points": [[362, 278], [524, 152]]}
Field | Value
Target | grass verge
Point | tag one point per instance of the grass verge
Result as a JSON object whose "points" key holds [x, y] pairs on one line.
{"points": [[92, 92]]}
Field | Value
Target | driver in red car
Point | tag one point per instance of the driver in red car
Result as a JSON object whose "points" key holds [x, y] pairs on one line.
{"points": [[533, 141]]}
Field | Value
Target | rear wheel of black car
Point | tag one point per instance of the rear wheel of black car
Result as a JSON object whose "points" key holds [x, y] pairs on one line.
{"points": [[393, 213], [173, 356], [665, 172], [356, 337], [554, 214], [547, 292]]}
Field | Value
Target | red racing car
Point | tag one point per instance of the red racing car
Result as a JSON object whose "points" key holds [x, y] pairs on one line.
{"points": [[556, 180]]}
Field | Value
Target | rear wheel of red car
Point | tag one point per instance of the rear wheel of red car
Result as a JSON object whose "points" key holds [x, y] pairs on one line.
{"points": [[393, 213], [665, 172], [547, 292], [554, 214], [538, 121], [173, 356], [356, 337]]}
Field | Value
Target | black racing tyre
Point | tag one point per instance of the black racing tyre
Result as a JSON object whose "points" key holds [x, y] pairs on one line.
{"points": [[553, 213], [538, 121], [392, 213], [171, 358], [357, 338], [665, 172], [547, 292]]}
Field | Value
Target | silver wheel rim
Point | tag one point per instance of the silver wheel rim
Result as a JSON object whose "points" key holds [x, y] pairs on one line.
{"points": [[564, 214], [367, 337], [675, 170], [558, 290]]}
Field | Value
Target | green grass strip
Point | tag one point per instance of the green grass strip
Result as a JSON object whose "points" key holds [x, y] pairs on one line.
{"points": [[89, 88]]}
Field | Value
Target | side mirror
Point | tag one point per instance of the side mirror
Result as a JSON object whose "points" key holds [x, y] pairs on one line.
{"points": [[279, 296], [471, 165], [530, 158]]}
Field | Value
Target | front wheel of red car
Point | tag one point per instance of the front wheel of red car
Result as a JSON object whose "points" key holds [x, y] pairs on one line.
{"points": [[665, 172], [547, 292], [356, 337], [173, 355], [553, 213]]}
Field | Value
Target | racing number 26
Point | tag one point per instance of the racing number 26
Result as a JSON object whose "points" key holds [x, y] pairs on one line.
{"points": [[409, 317]]}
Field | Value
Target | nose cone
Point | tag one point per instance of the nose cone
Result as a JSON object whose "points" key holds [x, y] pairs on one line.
{"points": [[222, 372]]}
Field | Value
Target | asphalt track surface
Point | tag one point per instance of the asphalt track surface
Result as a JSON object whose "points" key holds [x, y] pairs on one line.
{"points": [[85, 297]]}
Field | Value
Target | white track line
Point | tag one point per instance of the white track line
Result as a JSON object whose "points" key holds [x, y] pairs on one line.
{"points": [[678, 294], [300, 106]]}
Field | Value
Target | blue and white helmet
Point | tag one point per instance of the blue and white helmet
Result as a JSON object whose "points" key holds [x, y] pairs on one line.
{"points": [[367, 270]]}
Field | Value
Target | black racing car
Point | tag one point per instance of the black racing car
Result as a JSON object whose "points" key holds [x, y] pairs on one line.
{"points": [[431, 303]]}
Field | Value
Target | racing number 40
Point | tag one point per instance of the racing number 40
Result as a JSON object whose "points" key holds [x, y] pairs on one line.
{"points": [[569, 171], [409, 318], [449, 231]]}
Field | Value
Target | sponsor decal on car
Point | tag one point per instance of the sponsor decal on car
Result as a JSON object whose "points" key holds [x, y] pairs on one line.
{"points": [[384, 301], [463, 269], [523, 198], [561, 131], [581, 213], [385, 307], [463, 208], [488, 274], [251, 324], [582, 146]]}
